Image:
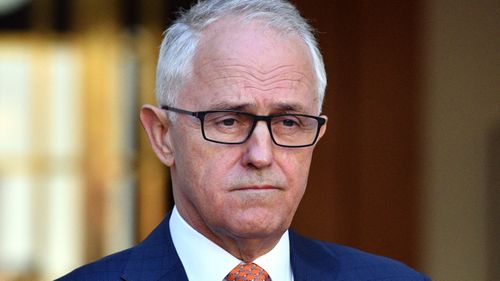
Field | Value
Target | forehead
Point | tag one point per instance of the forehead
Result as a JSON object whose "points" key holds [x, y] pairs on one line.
{"points": [[248, 62]]}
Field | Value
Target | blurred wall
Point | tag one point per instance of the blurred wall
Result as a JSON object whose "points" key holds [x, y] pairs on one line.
{"points": [[363, 188], [461, 117]]}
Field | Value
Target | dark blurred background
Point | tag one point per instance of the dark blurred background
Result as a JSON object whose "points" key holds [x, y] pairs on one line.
{"points": [[409, 167]]}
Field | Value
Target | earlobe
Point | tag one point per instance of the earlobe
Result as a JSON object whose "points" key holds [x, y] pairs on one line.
{"points": [[156, 125]]}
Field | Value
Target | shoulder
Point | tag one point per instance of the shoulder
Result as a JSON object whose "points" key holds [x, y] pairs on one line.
{"points": [[154, 257], [108, 268], [355, 264], [347, 263]]}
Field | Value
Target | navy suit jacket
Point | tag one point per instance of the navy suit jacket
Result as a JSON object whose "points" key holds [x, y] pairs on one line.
{"points": [[156, 259]]}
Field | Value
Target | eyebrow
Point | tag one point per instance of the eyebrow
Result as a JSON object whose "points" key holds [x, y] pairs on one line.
{"points": [[230, 106], [279, 107], [289, 107]]}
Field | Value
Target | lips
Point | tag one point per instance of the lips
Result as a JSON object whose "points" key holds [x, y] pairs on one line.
{"points": [[259, 183], [258, 187]]}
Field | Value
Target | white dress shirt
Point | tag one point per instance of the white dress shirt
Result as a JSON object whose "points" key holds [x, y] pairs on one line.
{"points": [[204, 260]]}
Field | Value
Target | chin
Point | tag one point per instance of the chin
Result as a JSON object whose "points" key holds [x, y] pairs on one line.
{"points": [[258, 229], [257, 233]]}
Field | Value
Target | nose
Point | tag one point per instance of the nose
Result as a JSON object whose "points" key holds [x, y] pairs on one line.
{"points": [[259, 147]]}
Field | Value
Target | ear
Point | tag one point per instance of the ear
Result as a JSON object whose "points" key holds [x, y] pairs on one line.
{"points": [[323, 128], [156, 124]]}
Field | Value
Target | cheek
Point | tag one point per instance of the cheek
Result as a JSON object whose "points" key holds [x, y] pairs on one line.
{"points": [[295, 165], [214, 165], [204, 167]]}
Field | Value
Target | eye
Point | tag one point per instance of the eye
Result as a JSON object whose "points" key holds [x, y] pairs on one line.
{"points": [[227, 122], [288, 122]]}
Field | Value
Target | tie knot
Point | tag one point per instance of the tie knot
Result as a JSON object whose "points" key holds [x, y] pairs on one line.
{"points": [[247, 272]]}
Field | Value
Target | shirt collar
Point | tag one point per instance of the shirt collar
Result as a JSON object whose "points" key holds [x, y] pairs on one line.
{"points": [[193, 249]]}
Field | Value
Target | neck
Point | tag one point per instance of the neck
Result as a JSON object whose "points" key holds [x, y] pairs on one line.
{"points": [[246, 249]]}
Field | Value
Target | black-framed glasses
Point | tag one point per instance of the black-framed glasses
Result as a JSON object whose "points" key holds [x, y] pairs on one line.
{"points": [[236, 127]]}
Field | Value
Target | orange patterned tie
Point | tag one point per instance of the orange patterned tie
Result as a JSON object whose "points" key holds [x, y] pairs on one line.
{"points": [[247, 272]]}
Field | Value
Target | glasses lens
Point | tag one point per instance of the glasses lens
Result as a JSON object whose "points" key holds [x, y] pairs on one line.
{"points": [[294, 130], [227, 127], [235, 127]]}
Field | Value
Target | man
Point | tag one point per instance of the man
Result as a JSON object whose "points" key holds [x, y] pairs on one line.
{"points": [[240, 85]]}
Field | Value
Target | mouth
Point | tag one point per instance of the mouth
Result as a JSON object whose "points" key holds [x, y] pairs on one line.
{"points": [[257, 188]]}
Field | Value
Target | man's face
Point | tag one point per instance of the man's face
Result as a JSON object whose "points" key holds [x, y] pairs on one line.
{"points": [[250, 190]]}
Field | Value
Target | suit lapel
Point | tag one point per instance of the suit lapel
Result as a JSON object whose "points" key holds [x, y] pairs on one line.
{"points": [[310, 261], [155, 258]]}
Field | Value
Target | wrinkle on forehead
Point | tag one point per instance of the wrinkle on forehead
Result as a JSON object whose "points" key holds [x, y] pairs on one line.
{"points": [[252, 77], [230, 67]]}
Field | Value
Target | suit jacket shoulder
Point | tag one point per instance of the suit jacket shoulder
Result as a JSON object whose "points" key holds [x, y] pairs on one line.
{"points": [[107, 268], [153, 259], [316, 260]]}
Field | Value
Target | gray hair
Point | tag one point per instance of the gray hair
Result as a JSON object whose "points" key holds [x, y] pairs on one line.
{"points": [[181, 39]]}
